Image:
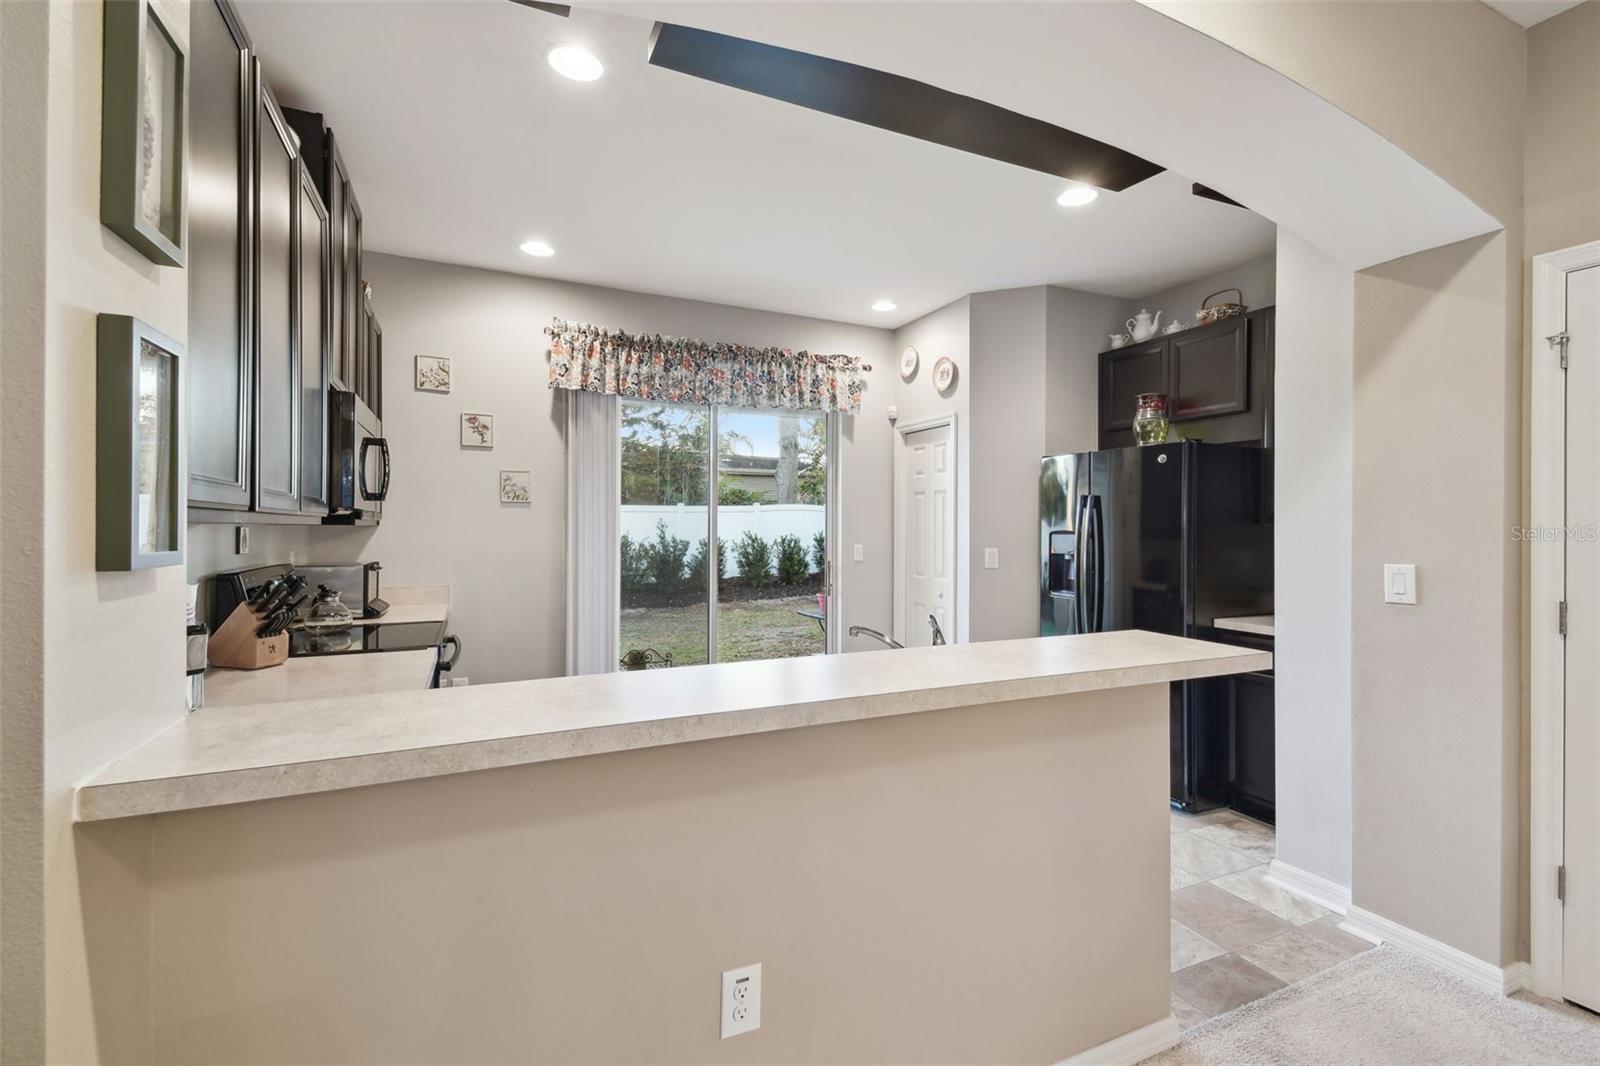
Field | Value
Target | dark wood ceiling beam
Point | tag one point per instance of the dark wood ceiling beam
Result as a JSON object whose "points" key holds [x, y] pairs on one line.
{"points": [[891, 102]]}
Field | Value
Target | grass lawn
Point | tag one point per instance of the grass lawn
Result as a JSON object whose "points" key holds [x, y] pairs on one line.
{"points": [[746, 629]]}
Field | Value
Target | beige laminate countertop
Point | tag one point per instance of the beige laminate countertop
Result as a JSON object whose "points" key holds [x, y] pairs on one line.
{"points": [[1260, 625], [324, 676], [265, 751]]}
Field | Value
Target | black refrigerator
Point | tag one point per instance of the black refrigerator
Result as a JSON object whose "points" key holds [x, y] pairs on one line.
{"points": [[1167, 538]]}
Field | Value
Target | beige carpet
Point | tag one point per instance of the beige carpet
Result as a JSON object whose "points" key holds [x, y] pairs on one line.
{"points": [[1387, 1007]]}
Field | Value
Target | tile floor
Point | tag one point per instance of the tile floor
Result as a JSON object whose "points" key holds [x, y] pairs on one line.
{"points": [[1235, 937]]}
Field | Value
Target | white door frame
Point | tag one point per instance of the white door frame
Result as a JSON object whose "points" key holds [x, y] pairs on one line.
{"points": [[901, 429], [1547, 583]]}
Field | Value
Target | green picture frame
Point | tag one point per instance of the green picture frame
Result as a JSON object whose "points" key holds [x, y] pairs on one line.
{"points": [[140, 468], [144, 114]]}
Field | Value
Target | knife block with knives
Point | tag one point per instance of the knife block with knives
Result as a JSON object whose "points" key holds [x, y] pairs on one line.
{"points": [[256, 635]]}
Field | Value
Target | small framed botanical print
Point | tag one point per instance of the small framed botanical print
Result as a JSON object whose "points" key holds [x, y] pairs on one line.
{"points": [[477, 431], [516, 486], [432, 374], [138, 447], [143, 112]]}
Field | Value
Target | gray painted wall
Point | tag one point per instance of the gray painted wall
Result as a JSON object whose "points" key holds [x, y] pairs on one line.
{"points": [[1008, 424], [1078, 326], [1257, 278], [1312, 544]]}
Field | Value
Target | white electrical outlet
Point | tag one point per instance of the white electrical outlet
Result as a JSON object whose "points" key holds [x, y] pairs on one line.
{"points": [[741, 1000], [458, 682], [1399, 583], [856, 553], [241, 540], [991, 558]]}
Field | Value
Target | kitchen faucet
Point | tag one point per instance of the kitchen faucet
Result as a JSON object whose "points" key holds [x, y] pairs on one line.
{"points": [[889, 642], [865, 631]]}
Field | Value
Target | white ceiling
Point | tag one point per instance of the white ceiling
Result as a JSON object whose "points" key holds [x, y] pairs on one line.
{"points": [[1531, 12], [463, 143]]}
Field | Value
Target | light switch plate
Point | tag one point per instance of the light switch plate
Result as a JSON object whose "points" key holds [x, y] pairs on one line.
{"points": [[991, 558], [1399, 583], [856, 553], [741, 1000]]}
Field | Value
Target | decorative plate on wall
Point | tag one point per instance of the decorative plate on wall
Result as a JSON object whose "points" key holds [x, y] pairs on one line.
{"points": [[944, 374], [908, 362]]}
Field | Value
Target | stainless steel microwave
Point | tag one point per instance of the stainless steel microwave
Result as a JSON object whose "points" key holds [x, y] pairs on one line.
{"points": [[361, 462]]}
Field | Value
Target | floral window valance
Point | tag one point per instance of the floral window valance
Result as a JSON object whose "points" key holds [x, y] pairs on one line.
{"points": [[673, 370]]}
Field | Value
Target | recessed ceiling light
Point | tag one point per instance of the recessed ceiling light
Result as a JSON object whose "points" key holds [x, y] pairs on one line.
{"points": [[570, 61], [1076, 195], [540, 248], [885, 305]]}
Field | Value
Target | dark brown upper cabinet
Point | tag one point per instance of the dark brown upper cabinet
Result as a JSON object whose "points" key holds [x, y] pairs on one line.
{"points": [[277, 277], [354, 341], [218, 362], [1210, 371], [1218, 381], [313, 342], [276, 311], [1124, 375], [372, 357], [335, 184], [320, 147]]}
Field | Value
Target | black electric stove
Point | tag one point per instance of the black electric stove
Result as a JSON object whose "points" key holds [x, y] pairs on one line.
{"points": [[402, 636]]}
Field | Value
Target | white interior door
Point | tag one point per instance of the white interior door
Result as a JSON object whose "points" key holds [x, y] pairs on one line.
{"points": [[928, 513], [1580, 929]]}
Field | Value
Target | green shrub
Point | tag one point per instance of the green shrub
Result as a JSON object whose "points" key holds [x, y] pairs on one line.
{"points": [[755, 559], [738, 496], [635, 564], [793, 567], [819, 550], [697, 563], [668, 557]]}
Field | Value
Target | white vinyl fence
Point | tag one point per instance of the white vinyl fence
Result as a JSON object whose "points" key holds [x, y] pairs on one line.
{"points": [[769, 520]]}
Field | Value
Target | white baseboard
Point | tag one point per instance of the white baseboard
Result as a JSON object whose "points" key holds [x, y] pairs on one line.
{"points": [[1500, 980], [1309, 886], [1129, 1048]]}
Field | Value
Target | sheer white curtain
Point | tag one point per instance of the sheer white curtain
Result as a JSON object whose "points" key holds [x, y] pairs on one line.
{"points": [[593, 489]]}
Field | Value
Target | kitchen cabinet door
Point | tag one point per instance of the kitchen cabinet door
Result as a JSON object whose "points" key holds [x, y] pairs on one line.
{"points": [[313, 343], [1210, 371], [217, 363], [1253, 727], [374, 359], [355, 334], [337, 182], [1124, 374], [277, 196]]}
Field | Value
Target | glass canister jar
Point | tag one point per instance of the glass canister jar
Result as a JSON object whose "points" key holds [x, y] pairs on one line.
{"points": [[1150, 418]]}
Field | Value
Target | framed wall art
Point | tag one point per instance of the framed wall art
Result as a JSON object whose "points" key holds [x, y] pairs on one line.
{"points": [[138, 446], [477, 431], [432, 373], [516, 486], [143, 114]]}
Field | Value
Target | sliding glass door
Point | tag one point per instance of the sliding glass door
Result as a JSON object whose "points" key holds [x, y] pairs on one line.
{"points": [[665, 606], [772, 520], [728, 560]]}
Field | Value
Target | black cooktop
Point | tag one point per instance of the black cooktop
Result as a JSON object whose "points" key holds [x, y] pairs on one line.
{"points": [[402, 636]]}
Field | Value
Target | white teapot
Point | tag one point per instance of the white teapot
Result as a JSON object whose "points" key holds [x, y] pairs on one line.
{"points": [[1142, 327]]}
